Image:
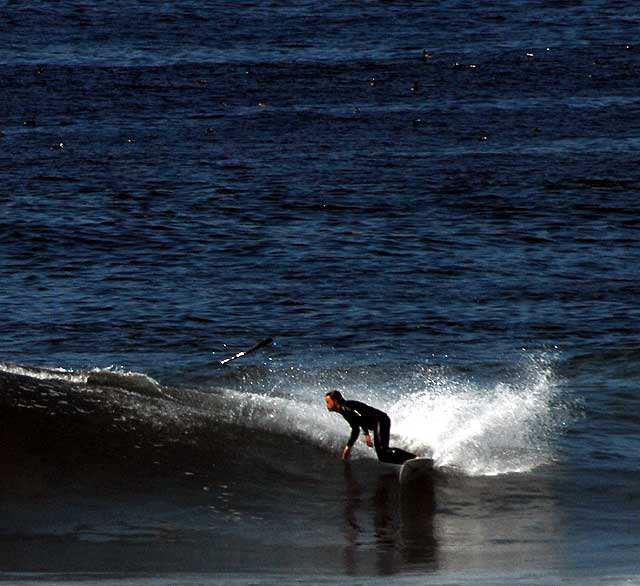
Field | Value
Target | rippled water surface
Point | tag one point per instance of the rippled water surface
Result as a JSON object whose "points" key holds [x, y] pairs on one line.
{"points": [[431, 207]]}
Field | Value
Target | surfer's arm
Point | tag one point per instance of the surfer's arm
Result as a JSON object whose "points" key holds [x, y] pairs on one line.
{"points": [[355, 432]]}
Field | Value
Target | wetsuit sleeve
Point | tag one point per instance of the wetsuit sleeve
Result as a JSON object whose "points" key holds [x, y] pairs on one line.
{"points": [[355, 432]]}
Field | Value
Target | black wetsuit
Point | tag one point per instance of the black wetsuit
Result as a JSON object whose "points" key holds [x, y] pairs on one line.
{"points": [[359, 415]]}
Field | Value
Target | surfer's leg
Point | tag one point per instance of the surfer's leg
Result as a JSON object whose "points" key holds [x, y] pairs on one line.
{"points": [[385, 453], [381, 437], [397, 456]]}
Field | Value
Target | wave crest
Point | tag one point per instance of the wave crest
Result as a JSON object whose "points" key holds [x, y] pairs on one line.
{"points": [[111, 377]]}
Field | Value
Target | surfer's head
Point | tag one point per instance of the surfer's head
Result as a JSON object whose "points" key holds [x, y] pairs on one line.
{"points": [[334, 400]]}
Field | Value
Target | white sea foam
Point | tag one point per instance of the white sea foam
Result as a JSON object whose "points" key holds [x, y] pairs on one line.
{"points": [[108, 377], [305, 419], [44, 373], [479, 429], [132, 381], [483, 429]]}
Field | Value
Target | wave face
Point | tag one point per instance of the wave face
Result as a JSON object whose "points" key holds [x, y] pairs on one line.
{"points": [[249, 463], [478, 430]]}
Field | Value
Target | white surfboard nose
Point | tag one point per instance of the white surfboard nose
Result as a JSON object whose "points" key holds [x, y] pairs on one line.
{"points": [[416, 469]]}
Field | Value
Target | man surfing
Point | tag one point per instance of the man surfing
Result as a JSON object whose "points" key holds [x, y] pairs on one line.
{"points": [[359, 415]]}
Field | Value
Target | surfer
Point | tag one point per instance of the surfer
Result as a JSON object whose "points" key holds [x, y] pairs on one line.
{"points": [[359, 415]]}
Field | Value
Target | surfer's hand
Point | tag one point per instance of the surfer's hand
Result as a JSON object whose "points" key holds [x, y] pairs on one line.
{"points": [[346, 452], [367, 438]]}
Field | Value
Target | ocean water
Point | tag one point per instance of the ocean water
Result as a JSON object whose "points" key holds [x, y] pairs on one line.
{"points": [[432, 207]]}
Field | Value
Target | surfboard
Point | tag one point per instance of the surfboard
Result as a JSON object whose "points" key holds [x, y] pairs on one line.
{"points": [[416, 470]]}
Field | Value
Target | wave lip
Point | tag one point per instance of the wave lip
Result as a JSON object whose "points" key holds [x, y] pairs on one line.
{"points": [[134, 381], [111, 377]]}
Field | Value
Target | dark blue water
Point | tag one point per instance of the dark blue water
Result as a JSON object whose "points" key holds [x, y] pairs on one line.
{"points": [[433, 208]]}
